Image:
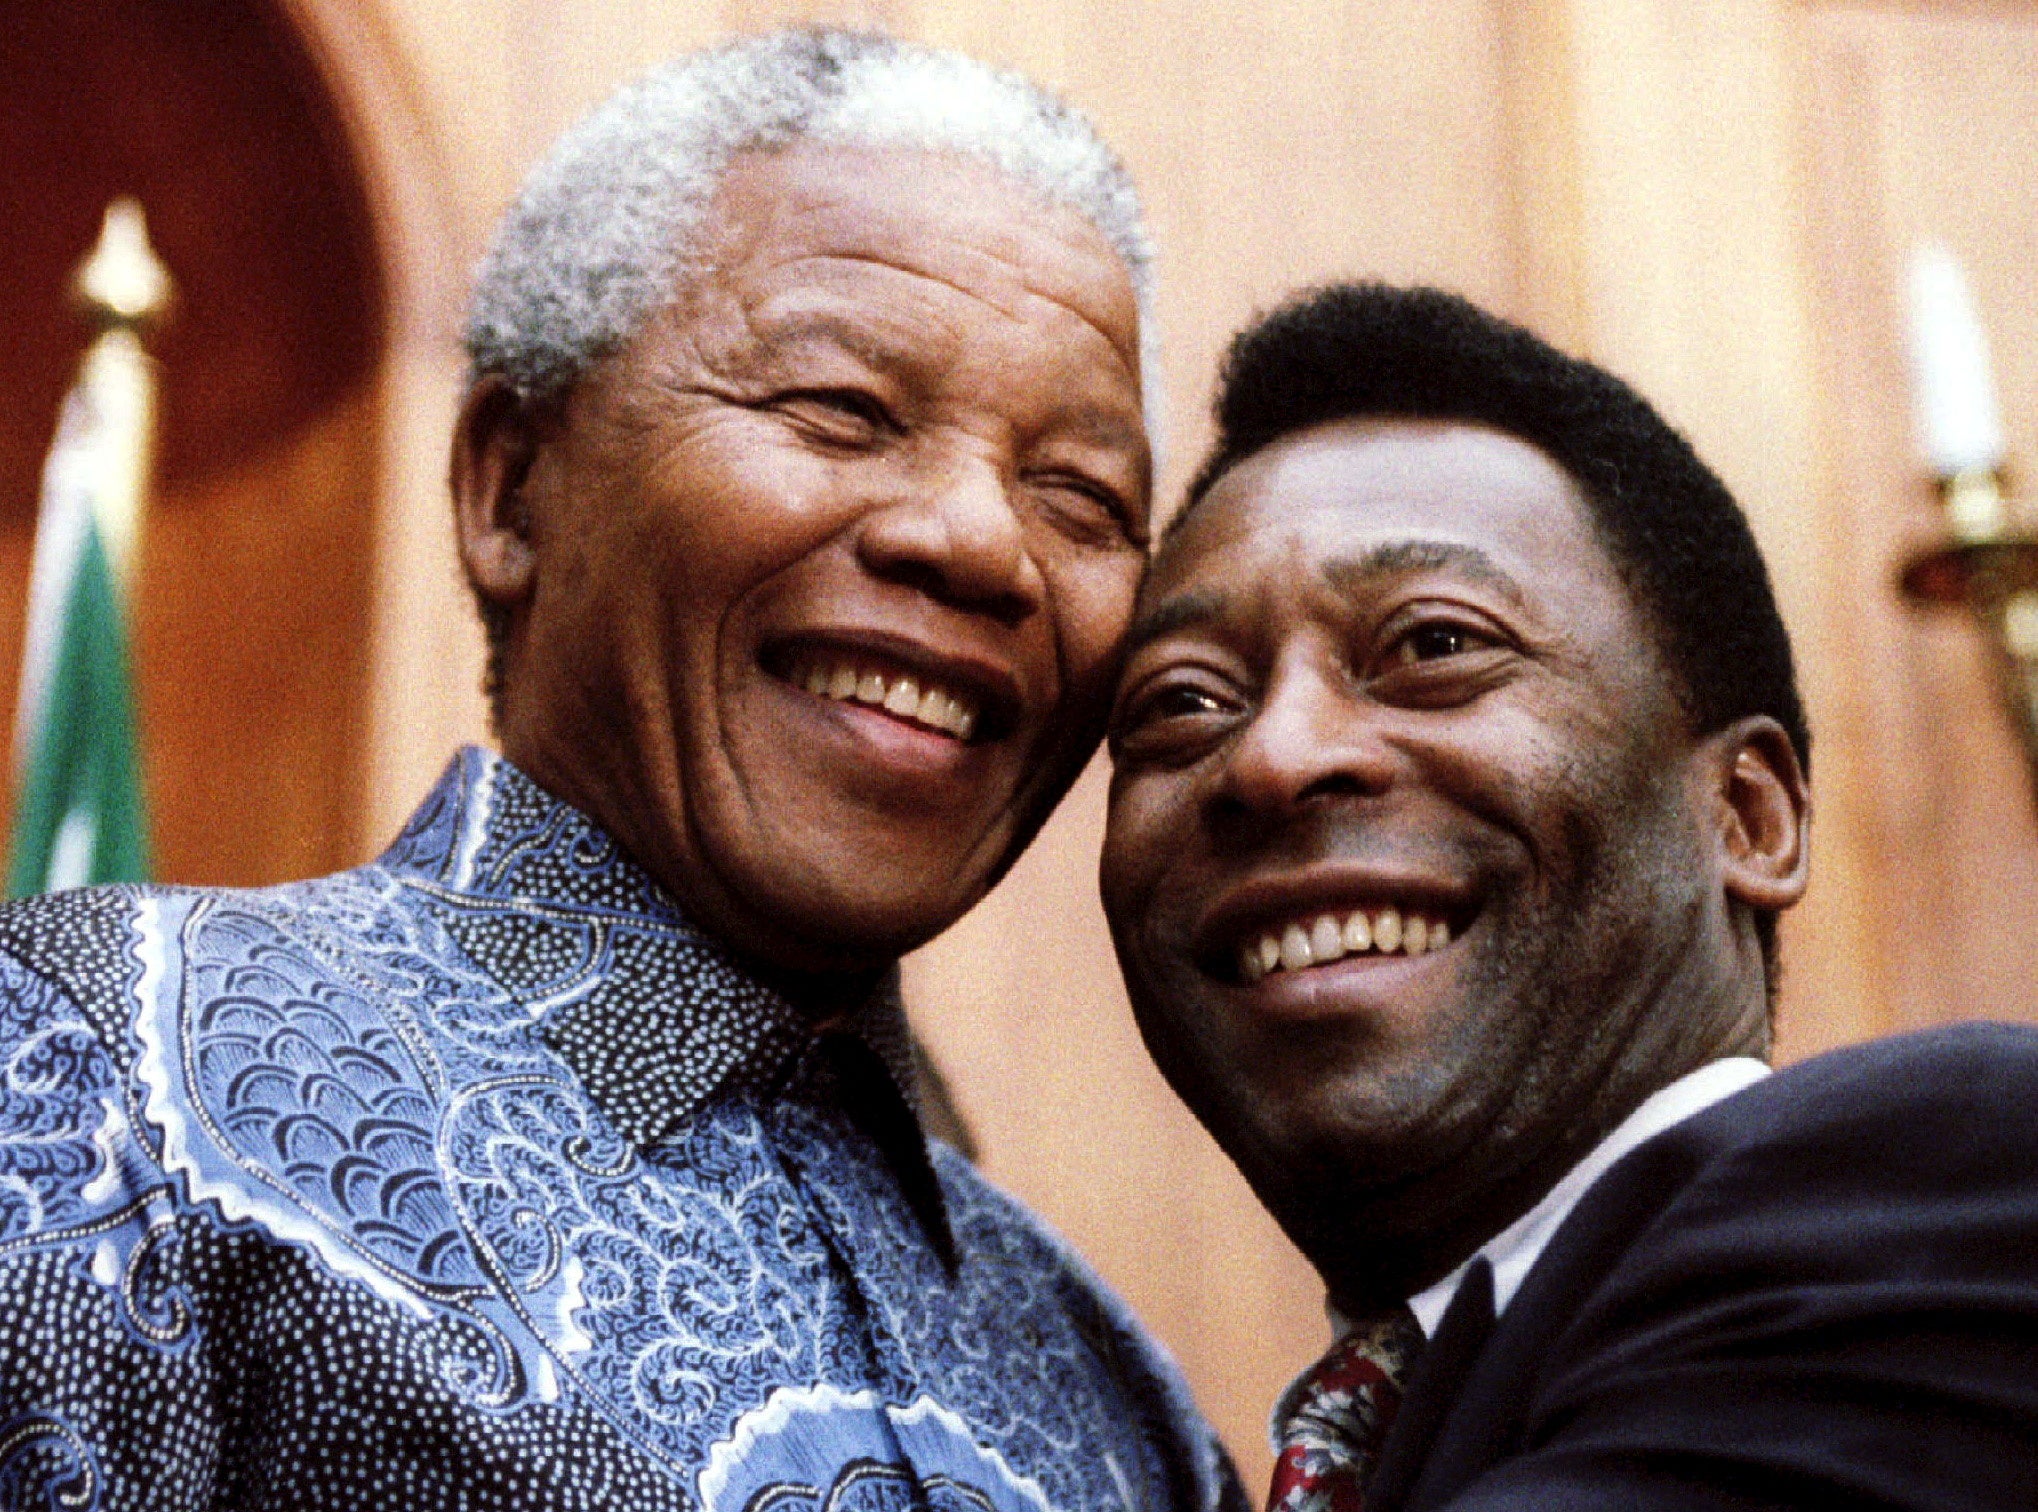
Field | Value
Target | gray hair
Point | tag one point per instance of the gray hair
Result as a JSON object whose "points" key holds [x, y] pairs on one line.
{"points": [[600, 237]]}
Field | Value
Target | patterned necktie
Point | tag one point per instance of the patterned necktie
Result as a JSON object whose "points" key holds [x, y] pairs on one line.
{"points": [[1338, 1415]]}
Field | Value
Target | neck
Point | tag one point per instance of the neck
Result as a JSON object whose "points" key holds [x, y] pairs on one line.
{"points": [[607, 792], [1388, 1245], [1376, 1245]]}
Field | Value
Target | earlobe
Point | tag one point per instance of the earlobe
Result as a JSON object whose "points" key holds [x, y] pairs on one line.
{"points": [[494, 445], [1765, 814]]}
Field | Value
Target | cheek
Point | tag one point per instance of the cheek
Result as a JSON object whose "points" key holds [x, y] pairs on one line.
{"points": [[1092, 607], [1131, 834], [1540, 798], [730, 505], [1145, 873], [729, 592]]}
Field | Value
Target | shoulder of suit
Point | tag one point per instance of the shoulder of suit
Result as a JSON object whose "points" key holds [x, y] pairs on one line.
{"points": [[1960, 1066], [1917, 1153], [1927, 1111]]}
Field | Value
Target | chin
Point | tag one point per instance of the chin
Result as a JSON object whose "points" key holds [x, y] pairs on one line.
{"points": [[1292, 1133], [834, 923]]}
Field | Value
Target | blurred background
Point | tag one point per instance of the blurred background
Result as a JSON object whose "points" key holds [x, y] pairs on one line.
{"points": [[1719, 199]]}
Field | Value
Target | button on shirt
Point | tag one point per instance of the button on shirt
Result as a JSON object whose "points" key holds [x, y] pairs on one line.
{"points": [[478, 1178]]}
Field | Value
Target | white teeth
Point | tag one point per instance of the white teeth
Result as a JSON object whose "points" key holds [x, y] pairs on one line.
{"points": [[1358, 933], [1387, 930], [905, 696], [1326, 939], [1323, 938]]}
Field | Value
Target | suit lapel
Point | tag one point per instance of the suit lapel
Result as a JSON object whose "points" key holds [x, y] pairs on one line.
{"points": [[1439, 1374]]}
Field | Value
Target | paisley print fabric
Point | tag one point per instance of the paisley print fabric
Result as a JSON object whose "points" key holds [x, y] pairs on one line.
{"points": [[478, 1178]]}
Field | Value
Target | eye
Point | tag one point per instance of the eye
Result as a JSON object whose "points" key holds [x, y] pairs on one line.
{"points": [[840, 417], [1085, 509], [1435, 640], [1439, 659], [1171, 720], [1179, 702]]}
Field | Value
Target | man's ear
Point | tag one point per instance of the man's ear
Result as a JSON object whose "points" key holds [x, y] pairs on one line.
{"points": [[495, 441], [1765, 813]]}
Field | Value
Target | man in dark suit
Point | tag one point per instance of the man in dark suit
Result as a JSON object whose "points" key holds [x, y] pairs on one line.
{"points": [[1460, 778]]}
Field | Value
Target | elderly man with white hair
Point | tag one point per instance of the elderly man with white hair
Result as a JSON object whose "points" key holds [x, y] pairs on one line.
{"points": [[568, 1154]]}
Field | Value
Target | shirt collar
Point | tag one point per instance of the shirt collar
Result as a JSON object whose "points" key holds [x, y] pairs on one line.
{"points": [[652, 1016], [1514, 1251]]}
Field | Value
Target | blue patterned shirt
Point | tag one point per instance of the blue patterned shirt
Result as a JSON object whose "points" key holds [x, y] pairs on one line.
{"points": [[477, 1178]]}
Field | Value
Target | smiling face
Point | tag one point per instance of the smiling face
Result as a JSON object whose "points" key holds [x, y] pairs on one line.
{"points": [[816, 589], [1413, 861]]}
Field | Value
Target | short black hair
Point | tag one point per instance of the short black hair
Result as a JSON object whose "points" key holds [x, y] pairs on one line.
{"points": [[1682, 545], [1358, 350]]}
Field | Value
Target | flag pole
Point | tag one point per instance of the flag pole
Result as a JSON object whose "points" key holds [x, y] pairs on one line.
{"points": [[124, 289], [78, 815]]}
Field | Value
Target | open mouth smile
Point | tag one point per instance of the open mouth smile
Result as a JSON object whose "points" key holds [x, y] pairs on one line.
{"points": [[917, 700], [1321, 938], [912, 689]]}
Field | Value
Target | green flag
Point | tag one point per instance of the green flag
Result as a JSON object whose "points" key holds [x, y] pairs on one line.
{"points": [[78, 815], [77, 804]]}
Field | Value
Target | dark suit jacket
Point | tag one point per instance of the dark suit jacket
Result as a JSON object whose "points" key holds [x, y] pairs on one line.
{"points": [[1821, 1292]]}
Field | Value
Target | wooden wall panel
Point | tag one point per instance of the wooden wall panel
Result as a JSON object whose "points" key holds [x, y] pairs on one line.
{"points": [[1920, 121], [249, 636]]}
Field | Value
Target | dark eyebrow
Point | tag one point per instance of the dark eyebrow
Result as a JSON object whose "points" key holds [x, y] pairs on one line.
{"points": [[1199, 606], [1196, 607], [1395, 558]]}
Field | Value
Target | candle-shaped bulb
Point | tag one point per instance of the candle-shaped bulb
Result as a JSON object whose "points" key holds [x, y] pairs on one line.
{"points": [[1959, 423], [122, 282]]}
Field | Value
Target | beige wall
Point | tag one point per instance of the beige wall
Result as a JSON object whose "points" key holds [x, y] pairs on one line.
{"points": [[1926, 125], [1707, 195]]}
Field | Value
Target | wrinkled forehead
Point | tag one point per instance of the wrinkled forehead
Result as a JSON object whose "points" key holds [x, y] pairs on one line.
{"points": [[810, 215], [888, 191]]}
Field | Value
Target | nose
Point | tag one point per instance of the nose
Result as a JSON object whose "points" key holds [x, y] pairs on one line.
{"points": [[956, 536], [1314, 737]]}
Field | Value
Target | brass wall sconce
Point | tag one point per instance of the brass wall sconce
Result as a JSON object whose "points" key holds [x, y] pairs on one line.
{"points": [[1989, 567], [1987, 562]]}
